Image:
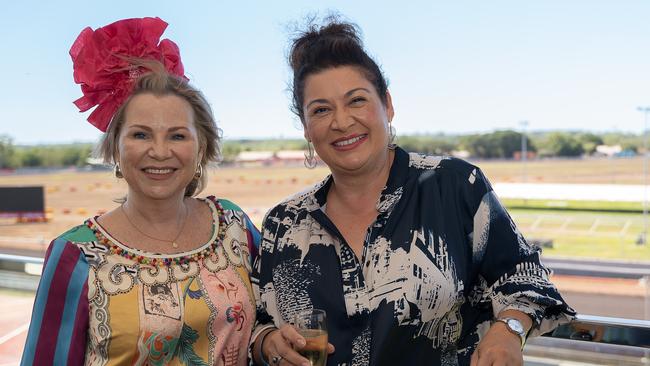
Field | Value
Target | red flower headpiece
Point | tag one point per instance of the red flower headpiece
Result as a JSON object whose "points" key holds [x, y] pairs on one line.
{"points": [[100, 60]]}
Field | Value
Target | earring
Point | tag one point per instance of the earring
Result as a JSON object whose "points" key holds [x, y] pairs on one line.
{"points": [[117, 171], [199, 172], [310, 158], [391, 134]]}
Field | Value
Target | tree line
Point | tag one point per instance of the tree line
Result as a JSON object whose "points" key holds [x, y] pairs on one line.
{"points": [[505, 144], [502, 144], [66, 155]]}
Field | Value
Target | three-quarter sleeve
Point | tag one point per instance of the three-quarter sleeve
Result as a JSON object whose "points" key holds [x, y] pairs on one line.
{"points": [[254, 237], [511, 268], [59, 325]]}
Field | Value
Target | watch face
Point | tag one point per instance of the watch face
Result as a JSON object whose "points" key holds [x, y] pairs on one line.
{"points": [[515, 325]]}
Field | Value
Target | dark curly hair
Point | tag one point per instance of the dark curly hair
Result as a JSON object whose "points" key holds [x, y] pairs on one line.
{"points": [[331, 44]]}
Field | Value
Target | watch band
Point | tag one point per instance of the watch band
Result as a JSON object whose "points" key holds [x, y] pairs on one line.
{"points": [[515, 327]]}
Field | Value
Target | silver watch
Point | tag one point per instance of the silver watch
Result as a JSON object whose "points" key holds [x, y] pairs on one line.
{"points": [[515, 327]]}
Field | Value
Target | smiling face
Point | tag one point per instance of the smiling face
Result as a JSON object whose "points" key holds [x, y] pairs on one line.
{"points": [[158, 146], [346, 120]]}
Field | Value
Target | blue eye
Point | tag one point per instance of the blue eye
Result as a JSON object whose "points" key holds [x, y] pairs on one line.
{"points": [[139, 135], [178, 136]]}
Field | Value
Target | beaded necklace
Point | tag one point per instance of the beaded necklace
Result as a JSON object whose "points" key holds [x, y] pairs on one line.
{"points": [[146, 259]]}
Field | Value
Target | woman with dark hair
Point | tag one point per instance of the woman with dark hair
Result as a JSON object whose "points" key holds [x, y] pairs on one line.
{"points": [[412, 257], [163, 279]]}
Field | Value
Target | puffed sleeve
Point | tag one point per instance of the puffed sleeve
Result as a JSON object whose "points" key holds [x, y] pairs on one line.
{"points": [[253, 236], [511, 269], [59, 326]]}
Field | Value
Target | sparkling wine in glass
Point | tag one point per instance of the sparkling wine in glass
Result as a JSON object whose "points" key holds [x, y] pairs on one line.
{"points": [[312, 325]]}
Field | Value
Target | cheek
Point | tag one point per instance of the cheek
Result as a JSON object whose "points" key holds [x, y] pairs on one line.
{"points": [[127, 152], [190, 152], [379, 113], [378, 118], [317, 131]]}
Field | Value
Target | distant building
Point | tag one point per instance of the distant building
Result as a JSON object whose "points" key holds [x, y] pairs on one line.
{"points": [[270, 158], [627, 153], [93, 163], [290, 157], [607, 150], [254, 158], [530, 155], [462, 154]]}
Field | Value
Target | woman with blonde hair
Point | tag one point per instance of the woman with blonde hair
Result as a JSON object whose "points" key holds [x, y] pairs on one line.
{"points": [[164, 277]]}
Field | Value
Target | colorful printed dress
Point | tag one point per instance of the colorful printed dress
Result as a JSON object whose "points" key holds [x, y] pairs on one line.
{"points": [[442, 259], [100, 302]]}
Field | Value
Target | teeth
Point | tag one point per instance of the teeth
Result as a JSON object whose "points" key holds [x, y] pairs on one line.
{"points": [[159, 171], [348, 142]]}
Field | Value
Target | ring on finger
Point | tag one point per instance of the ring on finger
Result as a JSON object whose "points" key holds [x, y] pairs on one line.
{"points": [[276, 359]]}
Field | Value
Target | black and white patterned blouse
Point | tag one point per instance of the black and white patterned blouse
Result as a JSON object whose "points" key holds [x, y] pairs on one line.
{"points": [[441, 260]]}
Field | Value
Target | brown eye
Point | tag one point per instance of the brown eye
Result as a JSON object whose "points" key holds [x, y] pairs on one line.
{"points": [[357, 100], [319, 110]]}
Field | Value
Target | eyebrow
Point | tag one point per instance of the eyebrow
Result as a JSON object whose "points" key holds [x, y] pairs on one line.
{"points": [[347, 94], [145, 127]]}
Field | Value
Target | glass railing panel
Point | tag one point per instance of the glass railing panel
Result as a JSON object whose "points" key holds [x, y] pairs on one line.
{"points": [[592, 340]]}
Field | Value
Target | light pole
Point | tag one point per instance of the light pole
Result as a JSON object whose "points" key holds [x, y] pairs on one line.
{"points": [[644, 236], [524, 150]]}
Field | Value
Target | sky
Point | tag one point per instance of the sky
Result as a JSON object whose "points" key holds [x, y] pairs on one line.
{"points": [[454, 67]]}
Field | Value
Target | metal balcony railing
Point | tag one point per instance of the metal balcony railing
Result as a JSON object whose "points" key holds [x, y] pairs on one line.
{"points": [[589, 340], [592, 340], [20, 272]]}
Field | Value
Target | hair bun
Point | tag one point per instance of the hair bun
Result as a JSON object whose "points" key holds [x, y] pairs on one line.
{"points": [[335, 35], [331, 44]]}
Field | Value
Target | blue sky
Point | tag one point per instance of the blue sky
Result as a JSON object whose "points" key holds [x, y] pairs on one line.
{"points": [[453, 66]]}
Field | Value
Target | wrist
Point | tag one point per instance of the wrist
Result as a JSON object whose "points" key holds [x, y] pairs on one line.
{"points": [[260, 346], [515, 327]]}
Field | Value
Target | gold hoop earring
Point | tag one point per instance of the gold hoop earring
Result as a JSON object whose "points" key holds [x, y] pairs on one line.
{"points": [[310, 156], [117, 171], [199, 172]]}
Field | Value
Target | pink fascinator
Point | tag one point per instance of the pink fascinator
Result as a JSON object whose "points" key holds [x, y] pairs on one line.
{"points": [[100, 60]]}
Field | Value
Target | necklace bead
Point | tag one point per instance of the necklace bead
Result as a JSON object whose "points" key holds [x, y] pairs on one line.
{"points": [[166, 262]]}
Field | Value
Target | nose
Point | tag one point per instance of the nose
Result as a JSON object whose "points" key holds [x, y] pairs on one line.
{"points": [[159, 149], [343, 119]]}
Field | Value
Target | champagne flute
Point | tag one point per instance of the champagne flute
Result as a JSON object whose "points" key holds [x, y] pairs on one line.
{"points": [[312, 325]]}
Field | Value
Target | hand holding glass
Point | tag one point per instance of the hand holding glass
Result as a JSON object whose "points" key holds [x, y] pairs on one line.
{"points": [[312, 325]]}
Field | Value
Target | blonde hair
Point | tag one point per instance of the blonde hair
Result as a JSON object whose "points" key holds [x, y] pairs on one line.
{"points": [[159, 82]]}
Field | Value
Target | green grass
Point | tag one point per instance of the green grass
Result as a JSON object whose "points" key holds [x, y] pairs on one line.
{"points": [[605, 206], [587, 234], [597, 247]]}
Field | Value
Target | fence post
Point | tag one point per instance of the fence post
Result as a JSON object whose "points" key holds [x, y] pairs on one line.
{"points": [[646, 283], [646, 300]]}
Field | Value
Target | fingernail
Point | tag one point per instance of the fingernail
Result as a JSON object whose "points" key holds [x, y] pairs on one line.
{"points": [[306, 364], [302, 343]]}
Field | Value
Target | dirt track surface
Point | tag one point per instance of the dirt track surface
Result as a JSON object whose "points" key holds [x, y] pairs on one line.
{"points": [[71, 197]]}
